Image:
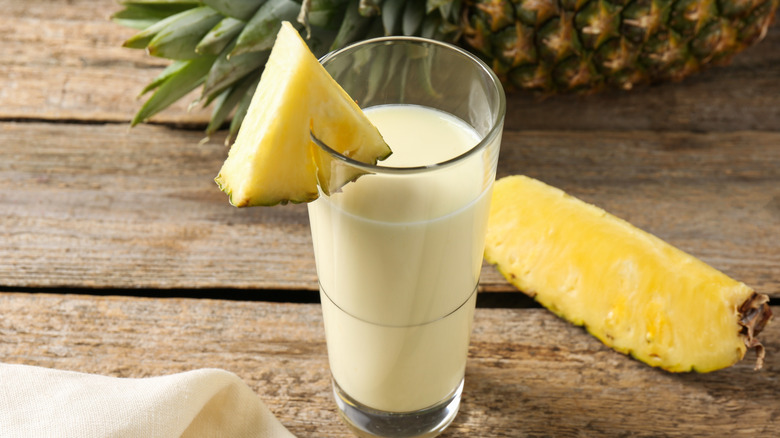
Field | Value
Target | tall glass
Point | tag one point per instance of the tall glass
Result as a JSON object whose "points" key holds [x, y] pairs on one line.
{"points": [[399, 249]]}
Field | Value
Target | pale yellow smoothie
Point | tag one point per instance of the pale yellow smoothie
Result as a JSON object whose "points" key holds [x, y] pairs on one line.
{"points": [[398, 260]]}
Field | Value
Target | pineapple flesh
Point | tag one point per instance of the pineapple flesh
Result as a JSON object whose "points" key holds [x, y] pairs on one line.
{"points": [[274, 159], [550, 46], [631, 290]]}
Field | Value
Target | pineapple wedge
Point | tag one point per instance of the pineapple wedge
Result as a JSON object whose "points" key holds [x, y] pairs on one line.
{"points": [[273, 159], [636, 293]]}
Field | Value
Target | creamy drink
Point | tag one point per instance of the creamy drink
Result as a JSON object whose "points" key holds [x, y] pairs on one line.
{"points": [[398, 260], [399, 246]]}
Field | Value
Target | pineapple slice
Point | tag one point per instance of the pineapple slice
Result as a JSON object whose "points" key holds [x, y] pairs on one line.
{"points": [[273, 159], [633, 291]]}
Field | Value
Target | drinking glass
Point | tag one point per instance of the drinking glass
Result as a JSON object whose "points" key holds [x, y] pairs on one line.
{"points": [[399, 249]]}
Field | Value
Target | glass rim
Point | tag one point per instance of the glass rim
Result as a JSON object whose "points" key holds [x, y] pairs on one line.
{"points": [[485, 140]]}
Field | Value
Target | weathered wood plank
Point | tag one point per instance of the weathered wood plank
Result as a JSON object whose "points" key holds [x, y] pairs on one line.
{"points": [[529, 373], [98, 206], [63, 60]]}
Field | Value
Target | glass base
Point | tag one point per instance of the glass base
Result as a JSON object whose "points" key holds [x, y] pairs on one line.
{"points": [[370, 423]]}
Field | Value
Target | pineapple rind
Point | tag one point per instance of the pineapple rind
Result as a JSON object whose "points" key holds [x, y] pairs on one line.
{"points": [[272, 160], [630, 289]]}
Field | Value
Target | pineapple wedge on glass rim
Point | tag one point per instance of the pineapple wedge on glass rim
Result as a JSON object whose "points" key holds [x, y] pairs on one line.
{"points": [[274, 159], [636, 293]]}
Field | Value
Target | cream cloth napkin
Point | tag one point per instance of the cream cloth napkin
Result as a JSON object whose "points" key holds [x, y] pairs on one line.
{"points": [[41, 402]]}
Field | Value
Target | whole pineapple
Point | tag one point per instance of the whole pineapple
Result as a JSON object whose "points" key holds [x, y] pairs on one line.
{"points": [[546, 45]]}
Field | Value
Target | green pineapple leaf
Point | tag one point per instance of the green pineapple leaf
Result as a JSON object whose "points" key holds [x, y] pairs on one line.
{"points": [[141, 16], [142, 39], [414, 13], [321, 41], [353, 25], [430, 26], [327, 13], [392, 16], [370, 8], [229, 99], [241, 110], [229, 69], [260, 32], [178, 39], [175, 87], [220, 36], [450, 10], [239, 9], [163, 3], [432, 5], [172, 70]]}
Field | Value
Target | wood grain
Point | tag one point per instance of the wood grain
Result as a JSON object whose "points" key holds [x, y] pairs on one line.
{"points": [[100, 206], [87, 204], [63, 60], [529, 373]]}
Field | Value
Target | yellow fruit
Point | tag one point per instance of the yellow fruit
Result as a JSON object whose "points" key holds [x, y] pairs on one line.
{"points": [[273, 159], [633, 291]]}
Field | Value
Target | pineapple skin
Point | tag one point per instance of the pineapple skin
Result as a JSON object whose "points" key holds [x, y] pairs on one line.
{"points": [[556, 46], [631, 290]]}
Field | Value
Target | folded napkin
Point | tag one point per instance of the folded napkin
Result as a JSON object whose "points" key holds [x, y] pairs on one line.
{"points": [[41, 402]]}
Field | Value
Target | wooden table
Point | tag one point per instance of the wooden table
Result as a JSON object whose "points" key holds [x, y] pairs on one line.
{"points": [[119, 256]]}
